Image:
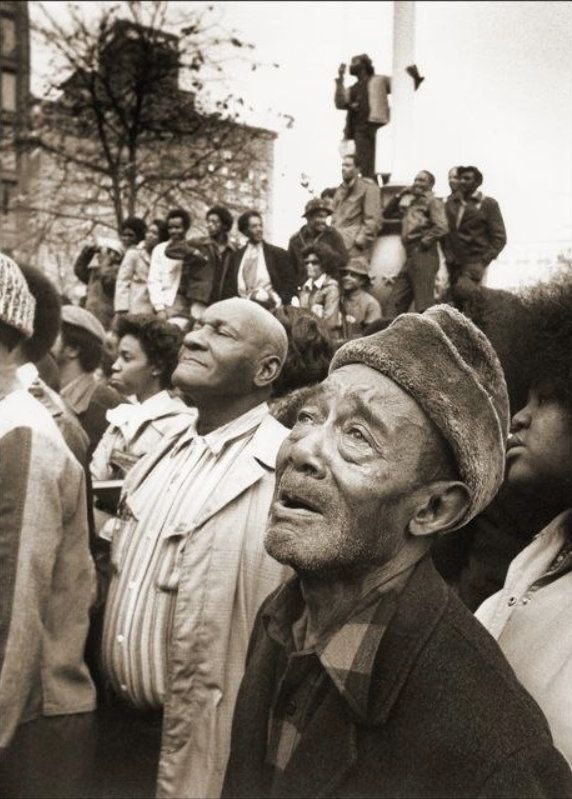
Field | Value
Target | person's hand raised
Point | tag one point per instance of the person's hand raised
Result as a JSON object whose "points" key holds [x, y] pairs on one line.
{"points": [[341, 70]]}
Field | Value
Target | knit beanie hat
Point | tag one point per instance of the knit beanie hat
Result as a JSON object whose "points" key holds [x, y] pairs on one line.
{"points": [[17, 305], [451, 370]]}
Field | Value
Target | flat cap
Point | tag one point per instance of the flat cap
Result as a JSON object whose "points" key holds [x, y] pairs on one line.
{"points": [[79, 317]]}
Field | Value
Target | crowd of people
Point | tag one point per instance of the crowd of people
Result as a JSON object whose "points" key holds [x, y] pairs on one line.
{"points": [[165, 271], [259, 537]]}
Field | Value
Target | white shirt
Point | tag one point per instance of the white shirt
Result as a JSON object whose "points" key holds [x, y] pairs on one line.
{"points": [[262, 277], [164, 278]]}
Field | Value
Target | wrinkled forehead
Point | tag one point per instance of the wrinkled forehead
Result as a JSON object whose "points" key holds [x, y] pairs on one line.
{"points": [[361, 389]]}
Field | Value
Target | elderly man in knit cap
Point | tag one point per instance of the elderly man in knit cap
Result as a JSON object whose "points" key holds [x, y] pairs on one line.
{"points": [[365, 675], [47, 581]]}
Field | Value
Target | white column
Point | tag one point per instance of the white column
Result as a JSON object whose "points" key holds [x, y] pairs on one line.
{"points": [[403, 93]]}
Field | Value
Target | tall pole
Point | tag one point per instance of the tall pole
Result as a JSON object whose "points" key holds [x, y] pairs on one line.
{"points": [[403, 92]]}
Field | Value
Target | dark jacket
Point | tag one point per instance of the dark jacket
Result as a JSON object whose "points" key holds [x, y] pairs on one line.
{"points": [[302, 239], [217, 264], [198, 272], [480, 236], [448, 717], [282, 275]]}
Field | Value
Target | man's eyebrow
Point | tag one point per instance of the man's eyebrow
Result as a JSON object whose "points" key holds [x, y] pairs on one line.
{"points": [[369, 411], [218, 322], [356, 403]]}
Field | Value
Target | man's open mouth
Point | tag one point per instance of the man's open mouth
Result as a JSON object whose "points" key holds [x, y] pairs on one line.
{"points": [[293, 501]]}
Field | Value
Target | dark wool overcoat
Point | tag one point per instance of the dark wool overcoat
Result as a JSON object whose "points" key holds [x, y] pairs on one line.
{"points": [[282, 275], [447, 717]]}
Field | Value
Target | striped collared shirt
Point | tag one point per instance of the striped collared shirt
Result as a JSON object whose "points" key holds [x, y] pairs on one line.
{"points": [[148, 544]]}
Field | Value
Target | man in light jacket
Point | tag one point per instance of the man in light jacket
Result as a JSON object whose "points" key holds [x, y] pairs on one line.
{"points": [[357, 210], [190, 569]]}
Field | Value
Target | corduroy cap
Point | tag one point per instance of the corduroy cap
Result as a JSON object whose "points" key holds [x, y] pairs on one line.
{"points": [[79, 317], [17, 304], [442, 360]]}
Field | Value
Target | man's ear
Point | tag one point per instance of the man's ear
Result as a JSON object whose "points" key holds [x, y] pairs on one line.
{"points": [[268, 370], [440, 506]]}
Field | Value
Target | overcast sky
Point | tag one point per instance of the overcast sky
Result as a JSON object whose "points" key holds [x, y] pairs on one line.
{"points": [[498, 94]]}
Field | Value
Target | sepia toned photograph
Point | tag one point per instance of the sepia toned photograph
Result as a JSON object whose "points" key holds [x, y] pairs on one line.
{"points": [[285, 399]]}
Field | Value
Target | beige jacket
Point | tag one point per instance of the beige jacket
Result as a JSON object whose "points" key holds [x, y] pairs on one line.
{"points": [[224, 576], [530, 619], [47, 581], [357, 215]]}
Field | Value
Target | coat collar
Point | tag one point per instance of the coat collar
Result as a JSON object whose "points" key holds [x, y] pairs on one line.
{"points": [[419, 609], [245, 471]]}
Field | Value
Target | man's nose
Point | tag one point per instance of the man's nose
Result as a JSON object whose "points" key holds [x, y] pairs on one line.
{"points": [[195, 340], [307, 454], [116, 366]]}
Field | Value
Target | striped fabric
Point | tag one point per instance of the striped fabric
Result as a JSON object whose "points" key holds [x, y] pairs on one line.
{"points": [[346, 659], [148, 543]]}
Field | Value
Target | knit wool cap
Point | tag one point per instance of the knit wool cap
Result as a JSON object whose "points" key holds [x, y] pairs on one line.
{"points": [[450, 369], [17, 305], [79, 317]]}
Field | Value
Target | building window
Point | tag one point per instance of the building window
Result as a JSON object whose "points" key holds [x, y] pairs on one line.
{"points": [[7, 196], [7, 36], [8, 90]]}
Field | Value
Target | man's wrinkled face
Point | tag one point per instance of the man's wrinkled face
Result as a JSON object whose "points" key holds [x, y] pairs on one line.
{"points": [[346, 475], [539, 457], [349, 169], [176, 228], [219, 356]]}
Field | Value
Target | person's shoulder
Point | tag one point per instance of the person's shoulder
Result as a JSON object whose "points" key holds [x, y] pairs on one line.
{"points": [[275, 249], [489, 202], [466, 658], [21, 409]]}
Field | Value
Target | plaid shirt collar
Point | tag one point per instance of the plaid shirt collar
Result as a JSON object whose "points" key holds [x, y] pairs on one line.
{"points": [[348, 656]]}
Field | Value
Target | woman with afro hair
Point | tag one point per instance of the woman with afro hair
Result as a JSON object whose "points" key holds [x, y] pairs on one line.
{"points": [[530, 616]]}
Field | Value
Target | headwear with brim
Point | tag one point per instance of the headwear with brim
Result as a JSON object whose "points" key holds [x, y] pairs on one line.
{"points": [[358, 266], [317, 204], [17, 304], [450, 369], [79, 317]]}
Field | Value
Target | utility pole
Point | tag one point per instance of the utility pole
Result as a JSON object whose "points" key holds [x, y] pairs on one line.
{"points": [[403, 92], [388, 255]]}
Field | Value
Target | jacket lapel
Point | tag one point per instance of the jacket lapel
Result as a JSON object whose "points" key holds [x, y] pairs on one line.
{"points": [[259, 458]]}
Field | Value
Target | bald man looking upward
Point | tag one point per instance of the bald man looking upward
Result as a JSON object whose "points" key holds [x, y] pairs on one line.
{"points": [[190, 568]]}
